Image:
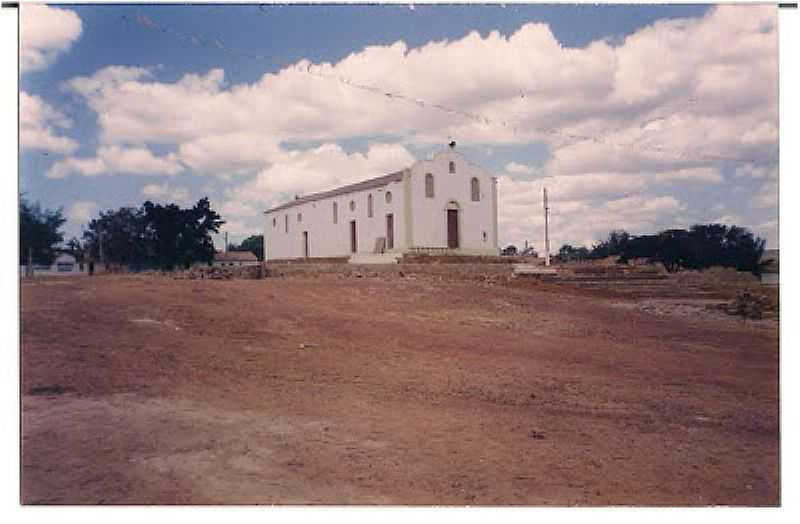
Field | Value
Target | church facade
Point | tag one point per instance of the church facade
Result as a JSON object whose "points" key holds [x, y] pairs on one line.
{"points": [[443, 205]]}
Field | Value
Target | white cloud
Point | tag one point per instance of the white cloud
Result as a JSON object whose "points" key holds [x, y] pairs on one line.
{"points": [[228, 154], [754, 171], [624, 122], [167, 193], [320, 168], [239, 229], [521, 169], [112, 160], [728, 220], [44, 32], [82, 211], [549, 92], [700, 175], [767, 196], [38, 122]]}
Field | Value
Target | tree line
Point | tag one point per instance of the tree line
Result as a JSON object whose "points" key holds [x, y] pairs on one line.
{"points": [[700, 247], [151, 236]]}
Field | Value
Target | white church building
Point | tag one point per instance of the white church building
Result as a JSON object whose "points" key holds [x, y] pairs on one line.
{"points": [[445, 205]]}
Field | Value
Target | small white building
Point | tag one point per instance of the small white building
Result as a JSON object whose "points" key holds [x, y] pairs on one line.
{"points": [[235, 259], [63, 265], [445, 205]]}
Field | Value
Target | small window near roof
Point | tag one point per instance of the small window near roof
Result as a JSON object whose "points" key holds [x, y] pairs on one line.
{"points": [[274, 222], [335, 213], [428, 185], [352, 205], [475, 188], [299, 217], [369, 205], [452, 167], [286, 223], [388, 197]]}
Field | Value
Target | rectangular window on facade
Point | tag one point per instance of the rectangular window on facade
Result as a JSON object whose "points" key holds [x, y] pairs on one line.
{"points": [[286, 223], [369, 205], [335, 213], [429, 185]]}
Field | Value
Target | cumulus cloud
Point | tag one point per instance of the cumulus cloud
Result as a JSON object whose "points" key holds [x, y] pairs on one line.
{"points": [[167, 193], [521, 169], [767, 196], [583, 207], [553, 92], [81, 211], [320, 168], [44, 33], [697, 175], [112, 160], [674, 103], [38, 122]]}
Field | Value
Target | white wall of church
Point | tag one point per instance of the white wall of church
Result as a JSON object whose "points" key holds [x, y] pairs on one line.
{"points": [[429, 216], [329, 239]]}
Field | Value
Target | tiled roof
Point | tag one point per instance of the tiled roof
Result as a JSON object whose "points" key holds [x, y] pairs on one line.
{"points": [[235, 256], [359, 186]]}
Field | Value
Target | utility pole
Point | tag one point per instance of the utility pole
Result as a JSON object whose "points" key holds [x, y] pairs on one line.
{"points": [[546, 230]]}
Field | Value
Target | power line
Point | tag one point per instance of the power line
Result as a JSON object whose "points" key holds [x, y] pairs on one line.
{"points": [[478, 118]]}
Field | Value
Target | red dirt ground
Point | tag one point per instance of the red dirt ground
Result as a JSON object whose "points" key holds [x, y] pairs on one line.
{"points": [[334, 390]]}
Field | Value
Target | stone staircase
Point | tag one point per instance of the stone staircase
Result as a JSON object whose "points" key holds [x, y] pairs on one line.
{"points": [[374, 258]]}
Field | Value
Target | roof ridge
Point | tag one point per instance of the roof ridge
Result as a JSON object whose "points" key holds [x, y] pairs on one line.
{"points": [[369, 183]]}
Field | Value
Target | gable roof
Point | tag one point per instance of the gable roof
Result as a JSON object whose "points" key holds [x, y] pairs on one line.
{"points": [[235, 256], [351, 188]]}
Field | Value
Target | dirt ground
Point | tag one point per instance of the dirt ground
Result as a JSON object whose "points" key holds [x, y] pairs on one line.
{"points": [[333, 390]]}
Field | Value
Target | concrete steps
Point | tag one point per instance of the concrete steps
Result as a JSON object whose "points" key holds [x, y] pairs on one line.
{"points": [[374, 258]]}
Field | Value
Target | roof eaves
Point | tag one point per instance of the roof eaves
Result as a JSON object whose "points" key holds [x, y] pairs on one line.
{"points": [[350, 188]]}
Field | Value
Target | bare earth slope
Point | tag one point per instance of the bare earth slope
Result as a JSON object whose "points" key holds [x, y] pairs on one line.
{"points": [[387, 391]]}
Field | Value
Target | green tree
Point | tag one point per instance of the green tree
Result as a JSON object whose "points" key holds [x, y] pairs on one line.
{"points": [[39, 232], [77, 249], [700, 247], [568, 253], [253, 243], [119, 237], [180, 237]]}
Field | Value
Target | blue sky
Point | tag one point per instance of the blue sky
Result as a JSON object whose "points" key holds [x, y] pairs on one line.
{"points": [[143, 129]]}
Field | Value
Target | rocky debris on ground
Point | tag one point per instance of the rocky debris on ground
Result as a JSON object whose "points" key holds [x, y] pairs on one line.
{"points": [[223, 273], [751, 306]]}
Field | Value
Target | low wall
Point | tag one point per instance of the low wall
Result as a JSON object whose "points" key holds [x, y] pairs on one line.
{"points": [[457, 271]]}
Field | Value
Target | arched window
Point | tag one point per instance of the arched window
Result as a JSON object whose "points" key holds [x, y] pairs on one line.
{"points": [[429, 185], [388, 197], [352, 205], [286, 223], [369, 205], [452, 167], [475, 188], [335, 213]]}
